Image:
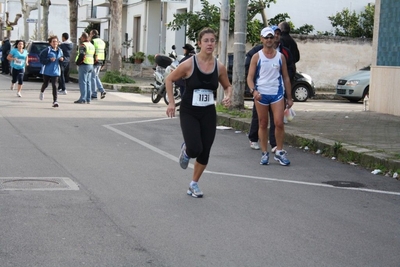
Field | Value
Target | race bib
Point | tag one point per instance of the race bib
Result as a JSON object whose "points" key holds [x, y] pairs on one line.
{"points": [[18, 62], [202, 98]]}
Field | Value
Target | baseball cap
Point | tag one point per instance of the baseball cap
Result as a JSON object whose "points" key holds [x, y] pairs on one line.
{"points": [[267, 31], [275, 28], [188, 47]]}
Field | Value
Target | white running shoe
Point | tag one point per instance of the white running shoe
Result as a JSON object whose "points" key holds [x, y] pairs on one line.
{"points": [[254, 145], [41, 96], [19, 94]]}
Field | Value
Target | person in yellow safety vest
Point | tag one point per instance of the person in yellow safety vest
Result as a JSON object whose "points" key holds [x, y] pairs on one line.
{"points": [[85, 61], [99, 60]]}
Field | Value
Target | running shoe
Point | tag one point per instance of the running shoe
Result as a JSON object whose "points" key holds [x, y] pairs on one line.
{"points": [[61, 92], [41, 96], [55, 104], [281, 157], [273, 150], [254, 145], [183, 158], [103, 94], [19, 94], [194, 191], [264, 158]]}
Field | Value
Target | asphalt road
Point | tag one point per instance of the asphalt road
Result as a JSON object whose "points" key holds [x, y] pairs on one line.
{"points": [[131, 207]]}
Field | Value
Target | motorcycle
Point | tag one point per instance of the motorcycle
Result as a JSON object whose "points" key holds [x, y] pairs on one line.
{"points": [[165, 65]]}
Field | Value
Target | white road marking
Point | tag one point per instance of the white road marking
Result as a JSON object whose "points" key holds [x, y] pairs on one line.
{"points": [[174, 158]]}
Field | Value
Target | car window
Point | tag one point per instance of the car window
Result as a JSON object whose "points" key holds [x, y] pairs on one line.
{"points": [[38, 47]]}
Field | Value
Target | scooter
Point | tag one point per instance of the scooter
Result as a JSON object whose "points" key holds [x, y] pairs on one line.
{"points": [[165, 65]]}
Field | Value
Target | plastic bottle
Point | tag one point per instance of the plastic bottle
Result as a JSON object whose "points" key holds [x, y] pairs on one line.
{"points": [[366, 103]]}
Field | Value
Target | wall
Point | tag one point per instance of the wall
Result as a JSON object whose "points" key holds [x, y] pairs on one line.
{"points": [[326, 58]]}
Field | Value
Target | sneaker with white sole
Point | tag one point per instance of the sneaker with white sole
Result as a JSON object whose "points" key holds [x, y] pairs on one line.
{"points": [[281, 158], [194, 191], [55, 104], [264, 158], [183, 158], [273, 150], [62, 92], [19, 94], [41, 96], [254, 145]]}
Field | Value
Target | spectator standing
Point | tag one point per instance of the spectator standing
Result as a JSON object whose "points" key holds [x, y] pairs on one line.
{"points": [[66, 47], [99, 60], [267, 79], [188, 51], [85, 60], [5, 49], [289, 42], [18, 57], [198, 116], [50, 57]]}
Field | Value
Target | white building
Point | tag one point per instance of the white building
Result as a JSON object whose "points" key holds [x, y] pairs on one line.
{"points": [[58, 17]]}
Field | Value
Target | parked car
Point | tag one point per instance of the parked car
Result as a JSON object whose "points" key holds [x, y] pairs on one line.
{"points": [[354, 86], [33, 69], [302, 88]]}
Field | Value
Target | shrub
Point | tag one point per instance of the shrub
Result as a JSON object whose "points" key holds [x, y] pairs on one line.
{"points": [[116, 77]]}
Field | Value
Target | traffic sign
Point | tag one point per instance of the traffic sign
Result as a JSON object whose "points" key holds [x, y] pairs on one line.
{"points": [[28, 20]]}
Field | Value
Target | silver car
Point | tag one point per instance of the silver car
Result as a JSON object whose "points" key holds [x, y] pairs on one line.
{"points": [[354, 86]]}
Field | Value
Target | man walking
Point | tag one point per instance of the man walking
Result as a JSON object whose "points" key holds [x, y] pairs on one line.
{"points": [[66, 47], [5, 50], [99, 60], [289, 42], [85, 60]]}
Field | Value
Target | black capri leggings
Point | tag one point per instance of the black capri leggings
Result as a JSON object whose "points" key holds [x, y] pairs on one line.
{"points": [[198, 126], [46, 80], [17, 75]]}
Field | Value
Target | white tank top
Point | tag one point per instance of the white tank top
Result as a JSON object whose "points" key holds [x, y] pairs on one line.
{"points": [[268, 74]]}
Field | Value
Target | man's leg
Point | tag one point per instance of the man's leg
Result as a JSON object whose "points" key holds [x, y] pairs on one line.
{"points": [[272, 140], [66, 72], [253, 131]]}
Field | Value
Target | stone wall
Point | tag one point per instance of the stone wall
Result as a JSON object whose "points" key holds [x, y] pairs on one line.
{"points": [[327, 58]]}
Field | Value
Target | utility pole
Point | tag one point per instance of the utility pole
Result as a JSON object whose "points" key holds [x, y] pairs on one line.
{"points": [[239, 51], [223, 41]]}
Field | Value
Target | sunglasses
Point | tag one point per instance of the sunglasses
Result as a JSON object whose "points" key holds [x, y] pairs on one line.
{"points": [[269, 37]]}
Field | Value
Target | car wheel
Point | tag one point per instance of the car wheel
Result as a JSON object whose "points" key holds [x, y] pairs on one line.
{"points": [[300, 93], [366, 92]]}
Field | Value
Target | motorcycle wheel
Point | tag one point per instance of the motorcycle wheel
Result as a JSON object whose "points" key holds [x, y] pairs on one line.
{"points": [[155, 97], [177, 96]]}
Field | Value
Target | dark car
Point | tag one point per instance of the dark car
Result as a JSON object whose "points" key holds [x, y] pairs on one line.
{"points": [[302, 87], [33, 69]]}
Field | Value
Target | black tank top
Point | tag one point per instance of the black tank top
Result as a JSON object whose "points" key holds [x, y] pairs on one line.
{"points": [[200, 80]]}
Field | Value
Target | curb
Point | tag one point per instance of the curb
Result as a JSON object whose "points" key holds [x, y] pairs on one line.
{"points": [[343, 152]]}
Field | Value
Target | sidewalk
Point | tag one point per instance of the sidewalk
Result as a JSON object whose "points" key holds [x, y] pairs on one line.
{"points": [[361, 138]]}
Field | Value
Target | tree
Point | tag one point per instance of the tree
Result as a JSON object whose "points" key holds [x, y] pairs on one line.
{"points": [[115, 39], [209, 16], [73, 26], [350, 24], [26, 12], [46, 4]]}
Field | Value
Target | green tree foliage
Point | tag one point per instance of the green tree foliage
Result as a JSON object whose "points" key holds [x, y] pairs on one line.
{"points": [[209, 16], [350, 24]]}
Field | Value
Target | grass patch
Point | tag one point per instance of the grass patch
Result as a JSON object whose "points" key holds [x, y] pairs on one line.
{"points": [[241, 113], [116, 77]]}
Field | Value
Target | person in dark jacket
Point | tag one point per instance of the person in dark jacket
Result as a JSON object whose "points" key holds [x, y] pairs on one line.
{"points": [[66, 47], [287, 41], [253, 131], [5, 49], [188, 51]]}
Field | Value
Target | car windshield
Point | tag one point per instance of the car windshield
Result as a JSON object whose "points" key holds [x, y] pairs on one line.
{"points": [[366, 68], [37, 47]]}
